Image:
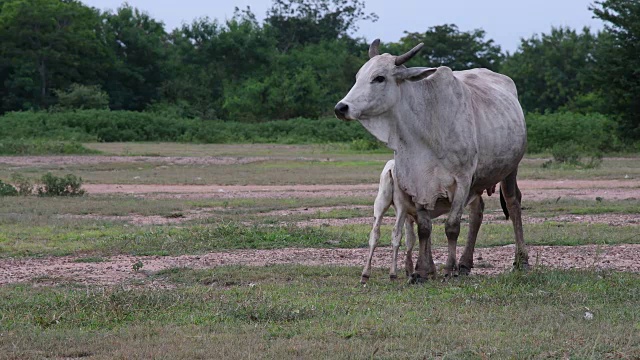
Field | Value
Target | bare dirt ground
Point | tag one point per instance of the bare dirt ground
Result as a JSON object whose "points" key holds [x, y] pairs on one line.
{"points": [[488, 261]]}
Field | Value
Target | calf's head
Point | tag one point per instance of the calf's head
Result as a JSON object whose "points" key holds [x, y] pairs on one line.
{"points": [[378, 82]]}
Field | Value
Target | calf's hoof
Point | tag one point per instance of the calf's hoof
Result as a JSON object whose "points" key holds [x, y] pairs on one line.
{"points": [[364, 279], [393, 276]]}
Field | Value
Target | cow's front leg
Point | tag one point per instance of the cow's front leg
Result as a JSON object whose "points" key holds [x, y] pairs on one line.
{"points": [[452, 228], [425, 268]]}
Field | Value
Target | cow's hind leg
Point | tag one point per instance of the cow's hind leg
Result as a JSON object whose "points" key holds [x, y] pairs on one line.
{"points": [[509, 188], [476, 210], [410, 240], [425, 267]]}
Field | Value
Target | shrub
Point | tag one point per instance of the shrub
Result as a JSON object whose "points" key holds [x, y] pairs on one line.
{"points": [[566, 153], [42, 147], [571, 154], [594, 132], [22, 184], [365, 145], [82, 97], [7, 189], [69, 185]]}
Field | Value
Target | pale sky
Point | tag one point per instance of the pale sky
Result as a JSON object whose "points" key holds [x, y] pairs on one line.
{"points": [[505, 21]]}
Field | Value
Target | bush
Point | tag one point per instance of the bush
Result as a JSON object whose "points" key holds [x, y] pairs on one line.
{"points": [[42, 147], [571, 154], [7, 189], [69, 185], [566, 153], [118, 126], [594, 132], [82, 97], [366, 145], [22, 184]]}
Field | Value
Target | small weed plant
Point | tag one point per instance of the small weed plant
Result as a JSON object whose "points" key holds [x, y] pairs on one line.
{"points": [[23, 184], [570, 154], [7, 189], [69, 185]]}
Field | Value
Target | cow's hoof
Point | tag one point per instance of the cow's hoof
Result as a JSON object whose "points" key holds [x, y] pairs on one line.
{"points": [[464, 270], [522, 267], [417, 279], [393, 276], [448, 274], [364, 279]]}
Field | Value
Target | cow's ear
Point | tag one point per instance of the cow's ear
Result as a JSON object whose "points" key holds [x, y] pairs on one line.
{"points": [[415, 73]]}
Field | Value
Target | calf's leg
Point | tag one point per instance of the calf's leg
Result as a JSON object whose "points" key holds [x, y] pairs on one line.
{"points": [[410, 240], [396, 238], [381, 205]]}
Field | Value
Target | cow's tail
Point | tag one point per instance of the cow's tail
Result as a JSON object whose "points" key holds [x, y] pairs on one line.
{"points": [[503, 203]]}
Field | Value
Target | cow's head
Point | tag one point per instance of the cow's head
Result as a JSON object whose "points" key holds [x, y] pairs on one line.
{"points": [[377, 87]]}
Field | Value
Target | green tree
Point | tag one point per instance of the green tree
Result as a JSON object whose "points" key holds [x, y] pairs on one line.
{"points": [[209, 57], [139, 50], [301, 22], [47, 44], [448, 46], [554, 71], [618, 73]]}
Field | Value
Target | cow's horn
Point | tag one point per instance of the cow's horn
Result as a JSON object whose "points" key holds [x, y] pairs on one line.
{"points": [[401, 59], [374, 48]]}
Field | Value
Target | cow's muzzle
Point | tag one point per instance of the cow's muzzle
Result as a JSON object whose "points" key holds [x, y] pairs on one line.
{"points": [[341, 110]]}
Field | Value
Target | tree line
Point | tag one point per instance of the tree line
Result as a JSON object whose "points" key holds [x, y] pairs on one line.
{"points": [[297, 62]]}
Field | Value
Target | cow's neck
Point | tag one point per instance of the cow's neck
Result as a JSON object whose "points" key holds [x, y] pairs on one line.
{"points": [[410, 122]]}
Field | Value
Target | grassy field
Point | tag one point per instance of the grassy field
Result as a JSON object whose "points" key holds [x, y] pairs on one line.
{"points": [[290, 311], [316, 312]]}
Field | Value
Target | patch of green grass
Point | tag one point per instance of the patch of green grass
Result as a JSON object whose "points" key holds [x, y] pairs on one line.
{"points": [[195, 239], [317, 312], [610, 169]]}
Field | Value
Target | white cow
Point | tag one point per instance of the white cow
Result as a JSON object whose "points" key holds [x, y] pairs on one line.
{"points": [[390, 194], [454, 134]]}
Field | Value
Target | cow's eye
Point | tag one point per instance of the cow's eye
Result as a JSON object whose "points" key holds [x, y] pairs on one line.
{"points": [[379, 79]]}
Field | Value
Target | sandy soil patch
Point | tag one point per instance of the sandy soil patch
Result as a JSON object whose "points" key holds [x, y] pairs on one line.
{"points": [[488, 261]]}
